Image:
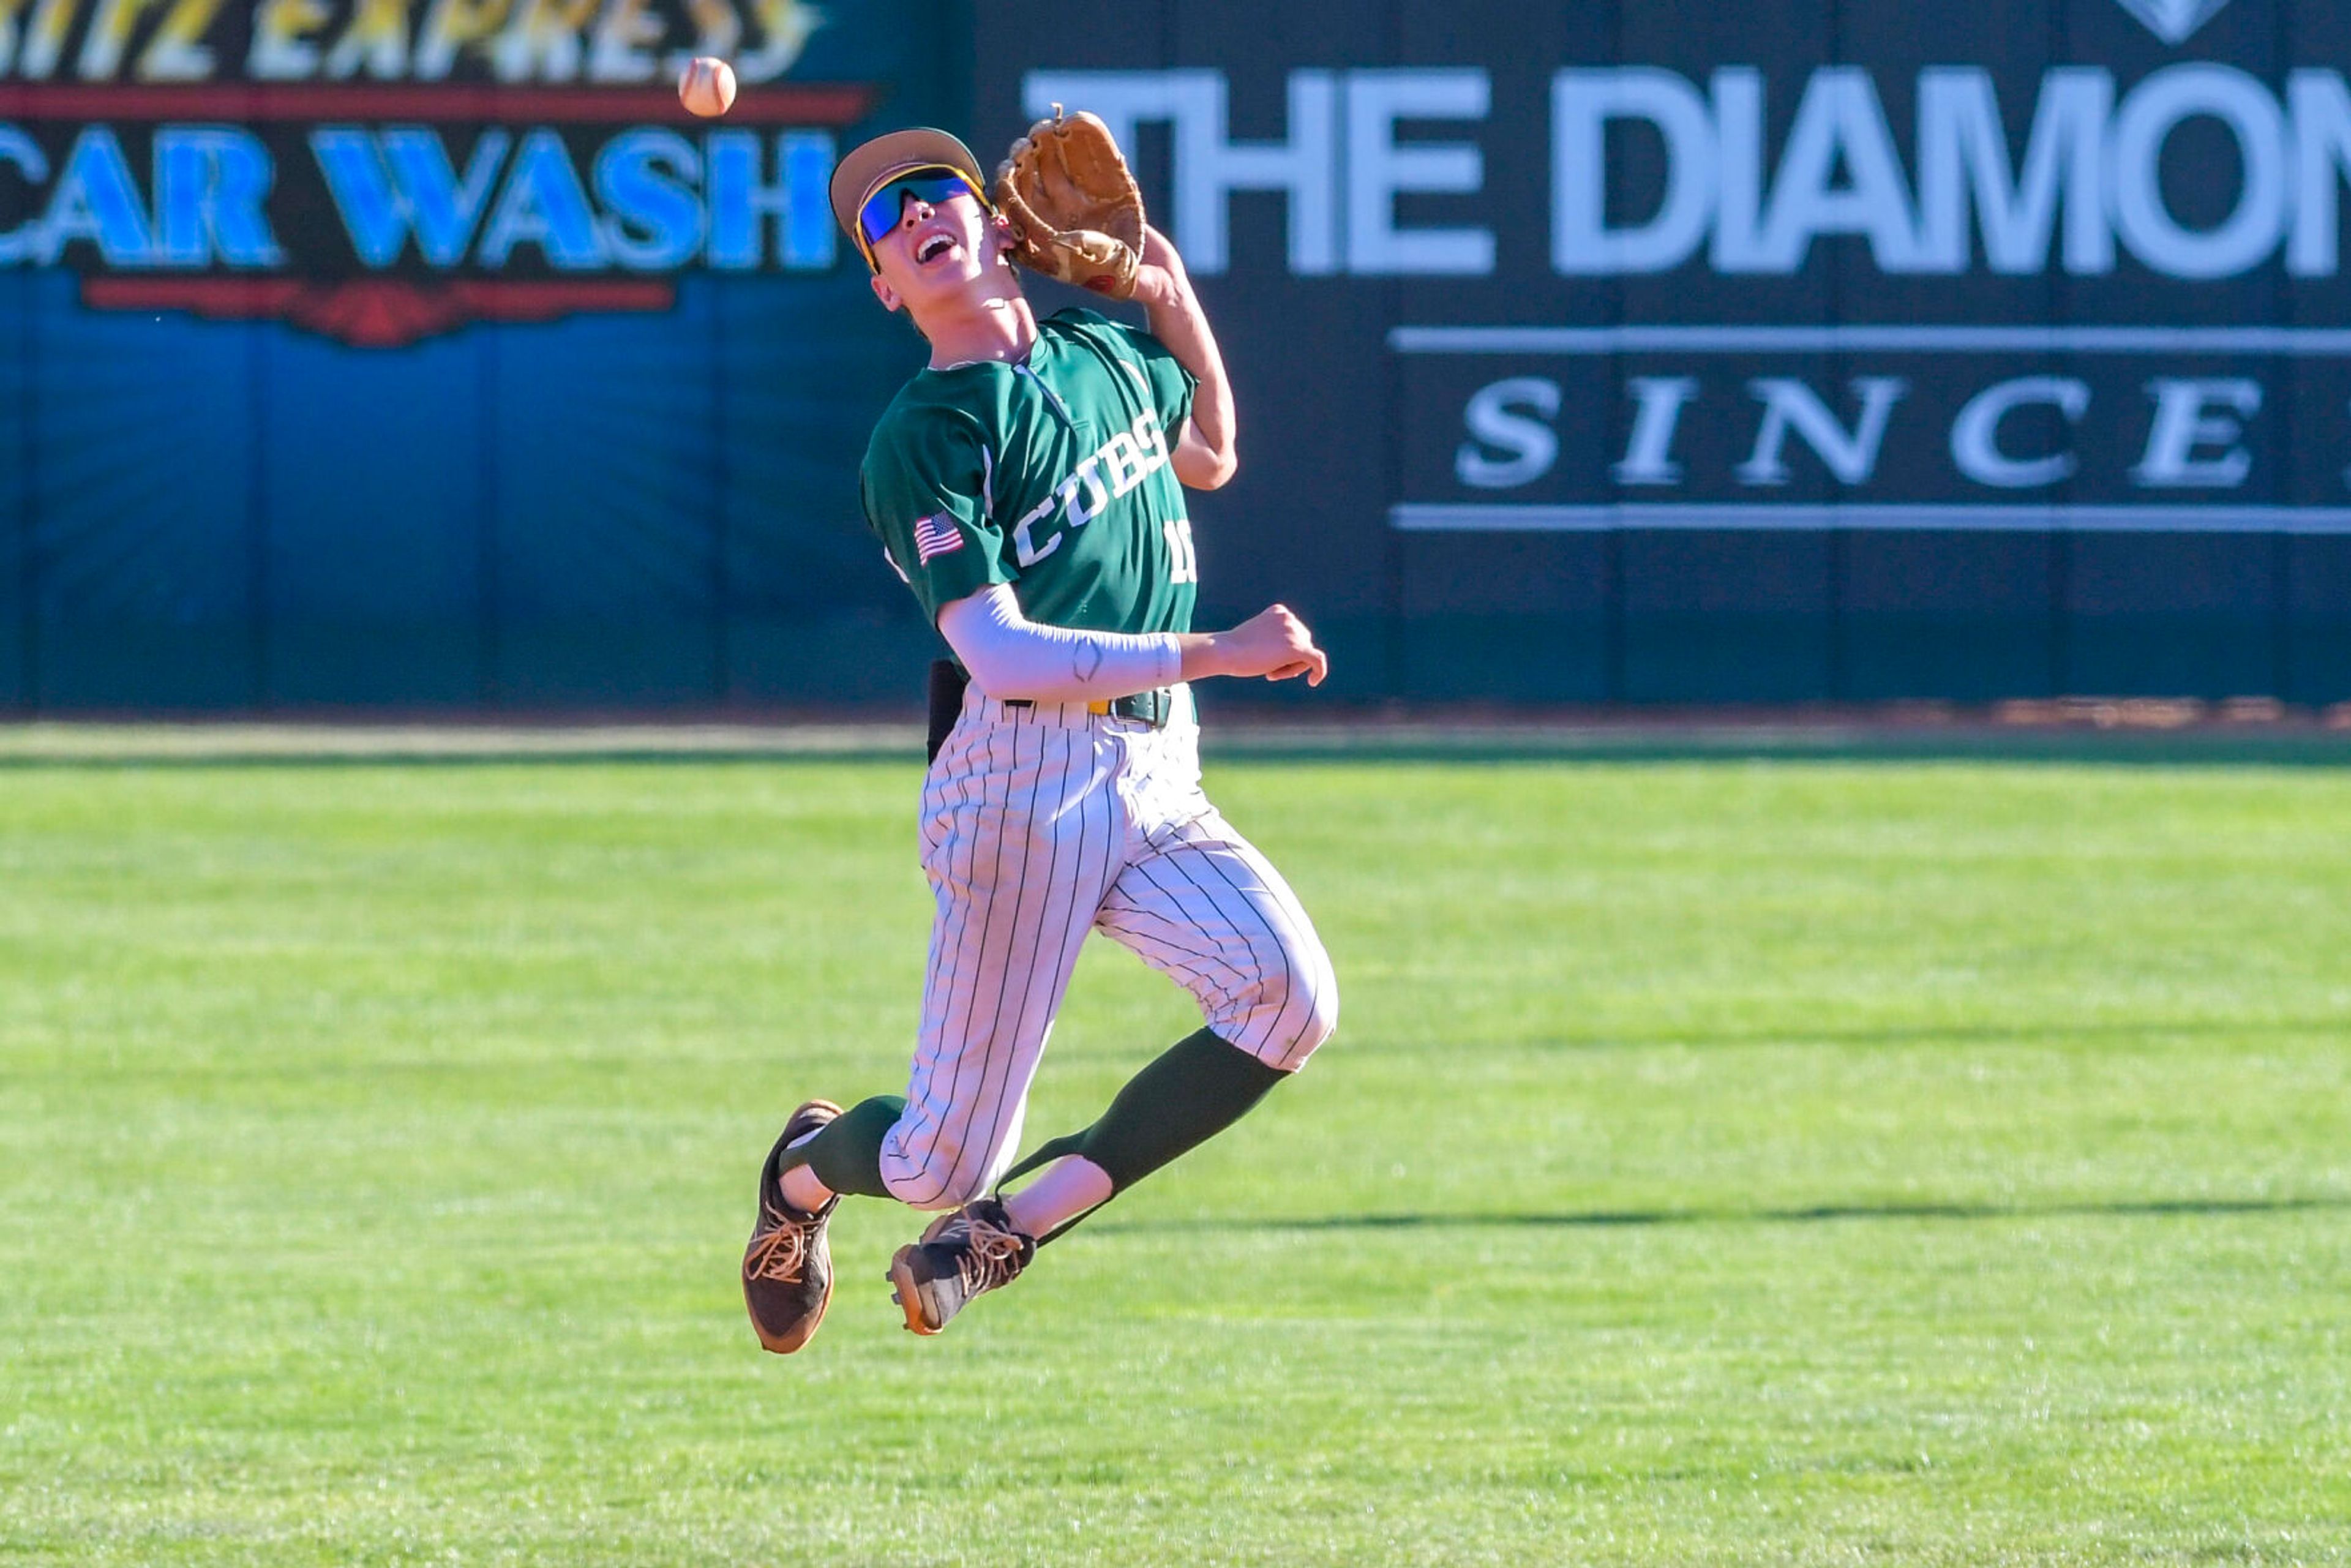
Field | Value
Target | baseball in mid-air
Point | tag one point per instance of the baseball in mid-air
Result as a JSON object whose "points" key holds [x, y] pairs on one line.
{"points": [[707, 88]]}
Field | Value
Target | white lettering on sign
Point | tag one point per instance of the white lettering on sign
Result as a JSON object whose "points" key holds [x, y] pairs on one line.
{"points": [[2155, 108], [1840, 125], [2184, 421], [1648, 452], [1378, 170], [1975, 434], [2196, 435], [1790, 405], [1210, 165], [2086, 189], [1494, 420], [1583, 103], [1305, 166], [1963, 161]]}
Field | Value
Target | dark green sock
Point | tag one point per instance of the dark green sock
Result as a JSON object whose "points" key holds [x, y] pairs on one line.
{"points": [[847, 1156], [1182, 1098], [1185, 1096]]}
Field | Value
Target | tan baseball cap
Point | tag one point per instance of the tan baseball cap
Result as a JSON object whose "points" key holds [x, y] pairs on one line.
{"points": [[873, 164]]}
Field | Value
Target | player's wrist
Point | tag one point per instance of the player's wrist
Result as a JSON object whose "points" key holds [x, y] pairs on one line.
{"points": [[1201, 655], [1161, 287]]}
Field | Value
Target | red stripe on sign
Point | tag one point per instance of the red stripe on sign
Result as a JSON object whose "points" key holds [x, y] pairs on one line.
{"points": [[809, 103], [216, 297], [517, 300], [378, 312]]}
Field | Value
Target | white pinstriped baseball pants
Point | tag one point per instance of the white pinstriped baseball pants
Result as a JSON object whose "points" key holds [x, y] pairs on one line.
{"points": [[1039, 824]]}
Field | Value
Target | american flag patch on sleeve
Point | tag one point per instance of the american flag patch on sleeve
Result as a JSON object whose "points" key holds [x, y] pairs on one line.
{"points": [[936, 536]]}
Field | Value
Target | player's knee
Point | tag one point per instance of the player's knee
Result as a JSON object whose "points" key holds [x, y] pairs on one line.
{"points": [[1320, 1012], [1300, 1005]]}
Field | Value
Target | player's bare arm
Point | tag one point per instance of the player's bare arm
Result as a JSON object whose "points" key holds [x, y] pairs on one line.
{"points": [[1205, 456]]}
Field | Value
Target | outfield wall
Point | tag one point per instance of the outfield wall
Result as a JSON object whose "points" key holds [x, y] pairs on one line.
{"points": [[1590, 354]]}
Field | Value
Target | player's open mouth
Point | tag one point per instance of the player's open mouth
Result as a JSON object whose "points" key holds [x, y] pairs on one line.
{"points": [[931, 249]]}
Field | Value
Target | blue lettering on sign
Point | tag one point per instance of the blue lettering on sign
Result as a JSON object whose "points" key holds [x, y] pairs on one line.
{"points": [[20, 150], [543, 204], [740, 204], [96, 200], [655, 223], [210, 185], [387, 187], [651, 200], [808, 160]]}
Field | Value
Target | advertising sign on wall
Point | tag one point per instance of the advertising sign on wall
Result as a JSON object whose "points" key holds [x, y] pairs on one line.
{"points": [[1725, 350], [379, 172], [367, 352]]}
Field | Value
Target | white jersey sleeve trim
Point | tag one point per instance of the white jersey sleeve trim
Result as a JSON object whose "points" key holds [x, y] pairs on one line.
{"points": [[1009, 655]]}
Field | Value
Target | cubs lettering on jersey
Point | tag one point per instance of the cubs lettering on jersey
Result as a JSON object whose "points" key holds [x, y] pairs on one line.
{"points": [[1122, 462]]}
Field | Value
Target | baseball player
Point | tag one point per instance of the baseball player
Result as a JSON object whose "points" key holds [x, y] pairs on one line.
{"points": [[1026, 485]]}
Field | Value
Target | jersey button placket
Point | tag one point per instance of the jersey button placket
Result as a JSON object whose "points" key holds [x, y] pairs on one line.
{"points": [[1053, 399]]}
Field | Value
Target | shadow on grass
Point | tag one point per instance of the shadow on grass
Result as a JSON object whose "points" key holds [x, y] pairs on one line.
{"points": [[2043, 1034], [1602, 1218]]}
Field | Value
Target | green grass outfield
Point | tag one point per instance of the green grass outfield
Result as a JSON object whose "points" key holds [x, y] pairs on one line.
{"points": [[1801, 1162]]}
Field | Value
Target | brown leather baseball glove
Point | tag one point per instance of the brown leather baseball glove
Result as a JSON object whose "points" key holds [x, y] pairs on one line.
{"points": [[1076, 211]]}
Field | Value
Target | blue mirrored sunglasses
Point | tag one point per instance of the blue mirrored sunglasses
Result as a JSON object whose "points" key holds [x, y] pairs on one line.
{"points": [[883, 209]]}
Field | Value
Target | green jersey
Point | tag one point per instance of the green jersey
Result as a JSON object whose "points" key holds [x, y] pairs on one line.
{"points": [[1052, 475]]}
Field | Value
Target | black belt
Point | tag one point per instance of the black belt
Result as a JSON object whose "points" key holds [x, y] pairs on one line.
{"points": [[1152, 707]]}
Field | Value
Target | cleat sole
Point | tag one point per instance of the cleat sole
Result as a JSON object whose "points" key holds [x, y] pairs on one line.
{"points": [[902, 1293]]}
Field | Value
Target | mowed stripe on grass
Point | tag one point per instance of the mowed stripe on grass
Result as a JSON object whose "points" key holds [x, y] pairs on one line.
{"points": [[1717, 1163]]}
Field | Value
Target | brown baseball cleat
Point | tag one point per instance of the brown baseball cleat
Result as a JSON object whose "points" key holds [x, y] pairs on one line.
{"points": [[966, 1252], [787, 1267]]}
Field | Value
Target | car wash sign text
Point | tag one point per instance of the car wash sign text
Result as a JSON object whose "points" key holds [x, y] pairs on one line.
{"points": [[382, 170]]}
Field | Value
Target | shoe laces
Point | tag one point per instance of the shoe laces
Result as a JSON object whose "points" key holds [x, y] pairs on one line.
{"points": [[989, 1256], [782, 1252]]}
